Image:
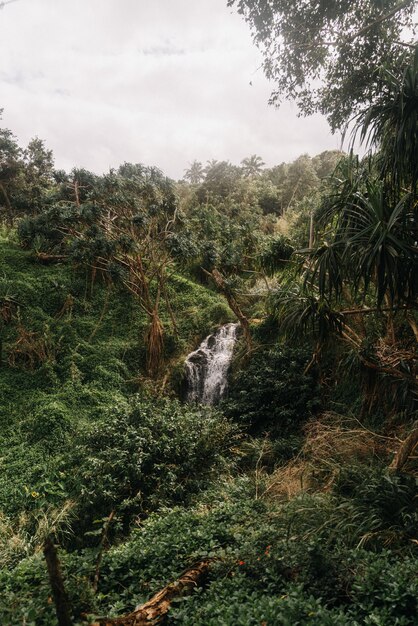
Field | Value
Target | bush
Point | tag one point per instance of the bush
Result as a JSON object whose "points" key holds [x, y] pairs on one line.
{"points": [[264, 568], [275, 254], [26, 596], [234, 602], [49, 424], [273, 393], [368, 508], [146, 454], [381, 508], [384, 590]]}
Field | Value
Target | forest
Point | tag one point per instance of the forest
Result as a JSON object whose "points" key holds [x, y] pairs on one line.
{"points": [[291, 498]]}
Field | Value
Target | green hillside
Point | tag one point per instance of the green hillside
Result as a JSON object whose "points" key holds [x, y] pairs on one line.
{"points": [[291, 501]]}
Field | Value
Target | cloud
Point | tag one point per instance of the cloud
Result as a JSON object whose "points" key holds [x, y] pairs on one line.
{"points": [[162, 82]]}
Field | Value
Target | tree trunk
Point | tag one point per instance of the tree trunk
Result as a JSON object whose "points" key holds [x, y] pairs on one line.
{"points": [[62, 604], [233, 304], [311, 231], [101, 549]]}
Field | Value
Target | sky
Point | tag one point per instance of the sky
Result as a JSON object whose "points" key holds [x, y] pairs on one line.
{"points": [[159, 82]]}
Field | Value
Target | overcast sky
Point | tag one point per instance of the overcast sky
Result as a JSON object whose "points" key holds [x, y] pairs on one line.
{"points": [[161, 82]]}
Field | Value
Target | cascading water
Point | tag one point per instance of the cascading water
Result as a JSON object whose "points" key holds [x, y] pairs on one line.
{"points": [[207, 367]]}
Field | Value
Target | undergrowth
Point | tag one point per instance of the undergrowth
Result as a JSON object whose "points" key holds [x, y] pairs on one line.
{"points": [[297, 512]]}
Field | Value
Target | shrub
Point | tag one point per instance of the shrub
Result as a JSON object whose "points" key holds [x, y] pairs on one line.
{"points": [[146, 454], [368, 508], [384, 590], [273, 393], [381, 509], [49, 424]]}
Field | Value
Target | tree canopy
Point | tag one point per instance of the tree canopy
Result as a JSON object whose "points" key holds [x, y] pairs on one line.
{"points": [[327, 55]]}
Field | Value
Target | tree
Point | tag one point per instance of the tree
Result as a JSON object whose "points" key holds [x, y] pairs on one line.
{"points": [[363, 272], [326, 162], [209, 164], [79, 186], [10, 166], [390, 126], [301, 180], [371, 243], [374, 234], [221, 180], [252, 166], [325, 55], [195, 173], [134, 211], [26, 175], [37, 177]]}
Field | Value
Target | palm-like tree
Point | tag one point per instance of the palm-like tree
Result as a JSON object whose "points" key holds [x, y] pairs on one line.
{"points": [[252, 165], [368, 246], [195, 173], [210, 165], [391, 126], [371, 246], [374, 242]]}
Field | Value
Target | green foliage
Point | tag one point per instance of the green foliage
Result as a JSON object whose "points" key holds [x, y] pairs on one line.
{"points": [[300, 311], [195, 173], [369, 508], [50, 425], [252, 165], [364, 260], [19, 604], [270, 563], [276, 252], [223, 233], [380, 510], [144, 455], [221, 180], [342, 42], [384, 590], [98, 332], [372, 241], [235, 602], [265, 567], [390, 125], [272, 393], [155, 485]]}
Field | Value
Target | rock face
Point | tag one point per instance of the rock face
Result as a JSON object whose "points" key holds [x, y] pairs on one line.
{"points": [[207, 367]]}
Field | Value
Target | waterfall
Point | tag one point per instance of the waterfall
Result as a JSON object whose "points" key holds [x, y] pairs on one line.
{"points": [[207, 367]]}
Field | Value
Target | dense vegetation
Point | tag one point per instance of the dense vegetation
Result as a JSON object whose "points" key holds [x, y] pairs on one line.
{"points": [[297, 494]]}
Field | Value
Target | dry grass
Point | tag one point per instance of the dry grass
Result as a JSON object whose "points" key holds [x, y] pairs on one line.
{"points": [[288, 481], [332, 441], [31, 349], [14, 539], [335, 439], [26, 534]]}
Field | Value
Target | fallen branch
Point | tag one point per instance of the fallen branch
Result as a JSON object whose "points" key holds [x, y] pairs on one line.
{"points": [[154, 611], [44, 257], [405, 450]]}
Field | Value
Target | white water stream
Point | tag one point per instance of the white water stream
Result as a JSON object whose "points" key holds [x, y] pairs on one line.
{"points": [[207, 367]]}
